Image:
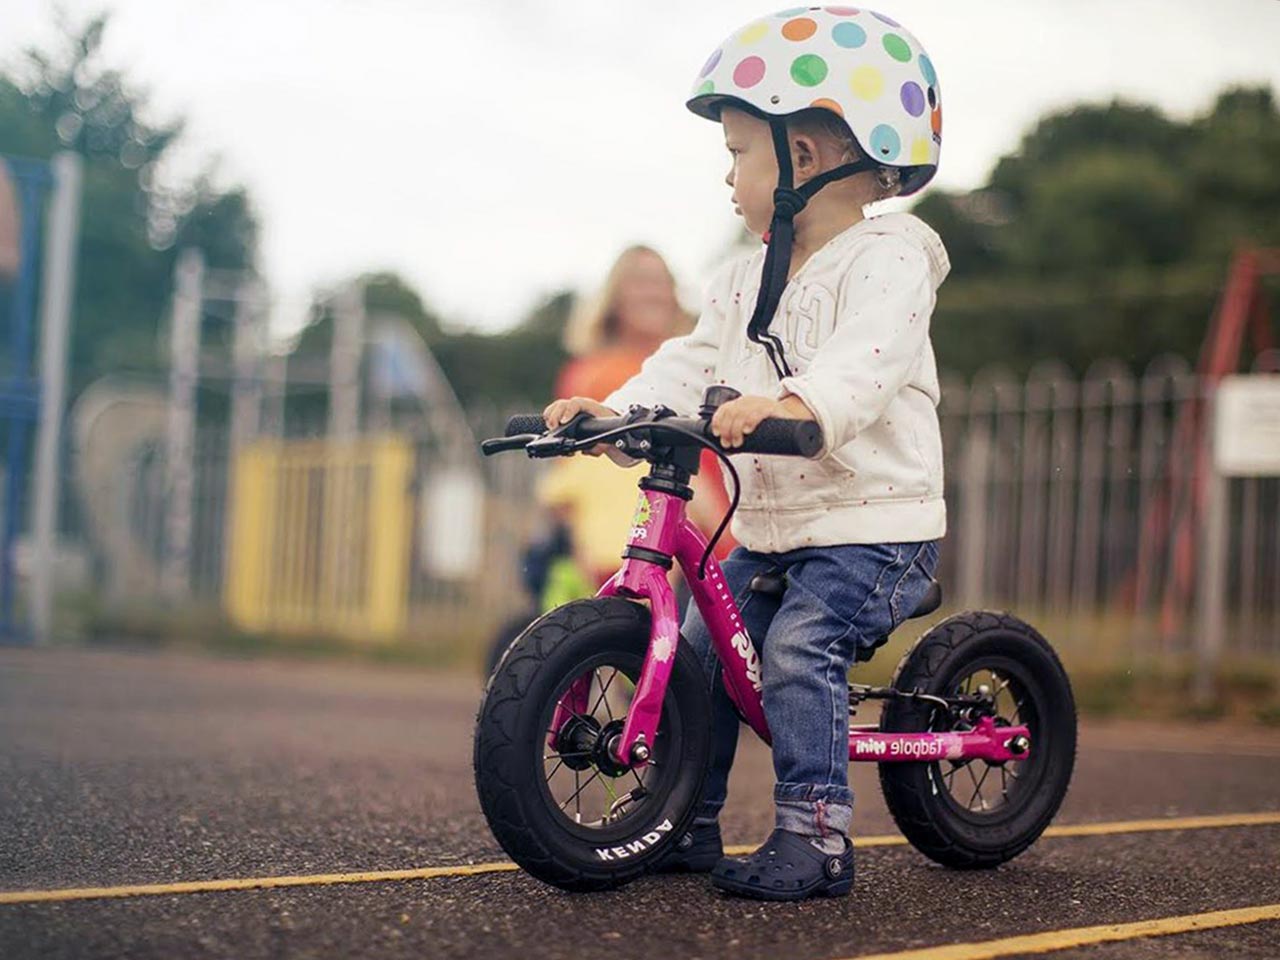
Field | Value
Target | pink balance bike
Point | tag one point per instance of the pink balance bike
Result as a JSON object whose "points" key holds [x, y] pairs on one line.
{"points": [[593, 735]]}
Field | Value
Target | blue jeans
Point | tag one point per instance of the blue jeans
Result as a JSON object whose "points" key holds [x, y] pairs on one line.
{"points": [[839, 601]]}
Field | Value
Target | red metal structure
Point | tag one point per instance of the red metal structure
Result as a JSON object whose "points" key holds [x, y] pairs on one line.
{"points": [[1174, 522]]}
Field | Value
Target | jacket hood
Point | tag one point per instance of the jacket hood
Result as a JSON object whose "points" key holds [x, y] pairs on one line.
{"points": [[919, 234]]}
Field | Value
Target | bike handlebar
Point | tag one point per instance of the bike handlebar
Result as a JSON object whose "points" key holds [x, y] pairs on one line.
{"points": [[773, 436]]}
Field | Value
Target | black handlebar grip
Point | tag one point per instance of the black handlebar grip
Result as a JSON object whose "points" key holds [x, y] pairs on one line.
{"points": [[783, 437], [523, 423]]}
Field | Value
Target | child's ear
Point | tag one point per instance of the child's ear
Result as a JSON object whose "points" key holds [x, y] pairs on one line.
{"points": [[804, 157]]}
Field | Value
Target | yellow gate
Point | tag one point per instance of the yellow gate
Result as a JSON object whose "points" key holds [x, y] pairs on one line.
{"points": [[320, 537]]}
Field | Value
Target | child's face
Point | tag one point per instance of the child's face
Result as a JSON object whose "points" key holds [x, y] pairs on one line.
{"points": [[754, 173]]}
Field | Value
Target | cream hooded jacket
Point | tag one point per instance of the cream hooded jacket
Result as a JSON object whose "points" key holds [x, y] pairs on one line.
{"points": [[855, 322]]}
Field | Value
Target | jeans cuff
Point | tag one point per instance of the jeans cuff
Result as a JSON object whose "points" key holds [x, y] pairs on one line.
{"points": [[826, 792], [708, 812], [813, 818], [813, 810]]}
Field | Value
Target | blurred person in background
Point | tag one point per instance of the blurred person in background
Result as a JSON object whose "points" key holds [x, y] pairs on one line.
{"points": [[609, 337], [589, 500]]}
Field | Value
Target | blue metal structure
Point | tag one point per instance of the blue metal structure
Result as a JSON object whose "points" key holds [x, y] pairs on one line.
{"points": [[20, 387]]}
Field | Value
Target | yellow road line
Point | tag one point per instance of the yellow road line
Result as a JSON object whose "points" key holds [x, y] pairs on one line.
{"points": [[1166, 823], [469, 870], [250, 883], [1052, 940], [1099, 829]]}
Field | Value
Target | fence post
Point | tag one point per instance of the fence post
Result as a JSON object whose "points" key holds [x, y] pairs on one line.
{"points": [[975, 465], [246, 358], [344, 361], [184, 356], [1212, 586], [58, 286]]}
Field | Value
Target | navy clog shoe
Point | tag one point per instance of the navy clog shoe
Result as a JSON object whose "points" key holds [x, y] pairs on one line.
{"points": [[697, 851], [786, 867]]}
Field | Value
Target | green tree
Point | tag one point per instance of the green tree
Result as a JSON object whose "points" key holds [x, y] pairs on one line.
{"points": [[131, 225], [517, 367], [1107, 233]]}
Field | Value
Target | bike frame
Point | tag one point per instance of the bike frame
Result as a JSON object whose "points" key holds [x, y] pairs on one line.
{"points": [[661, 531]]}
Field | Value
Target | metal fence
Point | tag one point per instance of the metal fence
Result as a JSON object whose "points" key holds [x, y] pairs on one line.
{"points": [[1072, 500], [454, 589], [1080, 502]]}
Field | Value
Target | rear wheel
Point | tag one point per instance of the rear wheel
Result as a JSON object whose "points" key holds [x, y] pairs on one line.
{"points": [[557, 801], [974, 813]]}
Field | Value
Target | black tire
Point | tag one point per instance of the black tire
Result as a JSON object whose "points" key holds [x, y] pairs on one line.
{"points": [[920, 795], [510, 756], [504, 637]]}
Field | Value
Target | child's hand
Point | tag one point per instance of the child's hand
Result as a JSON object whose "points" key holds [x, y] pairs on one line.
{"points": [[562, 411], [737, 418], [559, 412]]}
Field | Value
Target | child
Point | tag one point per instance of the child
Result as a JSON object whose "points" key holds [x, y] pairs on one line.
{"points": [[823, 110]]}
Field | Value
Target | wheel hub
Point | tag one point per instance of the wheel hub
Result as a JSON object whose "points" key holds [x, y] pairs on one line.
{"points": [[604, 750], [583, 743], [577, 741]]}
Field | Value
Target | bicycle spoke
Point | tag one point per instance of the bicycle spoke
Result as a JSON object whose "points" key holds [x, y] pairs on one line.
{"points": [[595, 679], [977, 790], [1001, 688], [608, 794], [577, 794], [604, 699], [973, 777], [1004, 695], [581, 785]]}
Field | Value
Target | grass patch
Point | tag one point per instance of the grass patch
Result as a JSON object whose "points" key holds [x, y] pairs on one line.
{"points": [[206, 630], [1108, 679]]}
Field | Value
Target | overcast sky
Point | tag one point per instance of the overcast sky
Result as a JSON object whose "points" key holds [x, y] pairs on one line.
{"points": [[496, 151]]}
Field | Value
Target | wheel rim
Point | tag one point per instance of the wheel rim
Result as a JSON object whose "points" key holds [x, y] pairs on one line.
{"points": [[589, 794], [977, 789]]}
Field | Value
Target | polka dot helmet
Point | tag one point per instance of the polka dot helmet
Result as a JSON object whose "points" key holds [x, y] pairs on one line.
{"points": [[859, 64]]}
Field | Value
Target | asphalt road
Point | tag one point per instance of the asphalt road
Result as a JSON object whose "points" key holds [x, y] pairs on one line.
{"points": [[123, 769]]}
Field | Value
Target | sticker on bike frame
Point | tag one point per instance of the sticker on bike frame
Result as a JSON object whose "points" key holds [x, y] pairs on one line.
{"points": [[938, 749], [747, 651], [662, 649], [635, 846], [640, 522]]}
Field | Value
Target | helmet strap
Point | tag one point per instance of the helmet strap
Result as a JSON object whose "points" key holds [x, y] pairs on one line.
{"points": [[787, 202]]}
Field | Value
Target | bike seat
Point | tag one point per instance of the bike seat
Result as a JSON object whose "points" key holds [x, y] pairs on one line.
{"points": [[772, 583], [930, 602]]}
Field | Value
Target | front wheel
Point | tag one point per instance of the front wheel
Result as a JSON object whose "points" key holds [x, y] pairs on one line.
{"points": [[972, 813], [510, 629], [557, 800]]}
